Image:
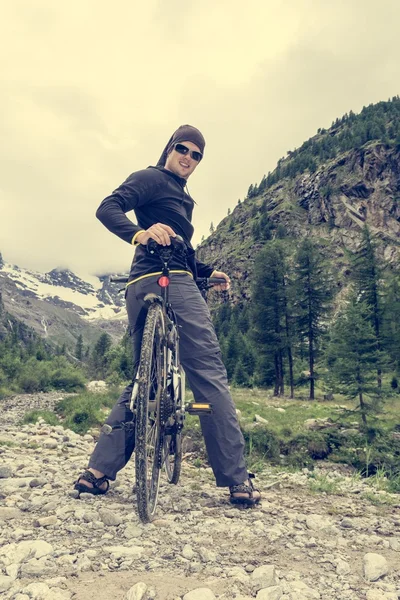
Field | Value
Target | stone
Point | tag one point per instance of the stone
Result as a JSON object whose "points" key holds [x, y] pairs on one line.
{"points": [[12, 571], [45, 521], [16, 553], [35, 567], [37, 482], [187, 552], [259, 419], [97, 386], [50, 444], [318, 522], [200, 594], [37, 591], [6, 514], [301, 588], [109, 518], [379, 595], [271, 593], [263, 577], [5, 582], [5, 472], [342, 567], [375, 566], [132, 531], [125, 551], [207, 555], [239, 574], [394, 544], [136, 592]]}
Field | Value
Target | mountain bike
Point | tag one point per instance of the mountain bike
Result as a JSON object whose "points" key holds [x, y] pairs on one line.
{"points": [[158, 395]]}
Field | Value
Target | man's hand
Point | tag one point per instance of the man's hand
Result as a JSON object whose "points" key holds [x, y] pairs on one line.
{"points": [[222, 286], [159, 232]]}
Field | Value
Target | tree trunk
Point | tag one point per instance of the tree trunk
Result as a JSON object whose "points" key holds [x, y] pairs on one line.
{"points": [[276, 364], [290, 360], [282, 383]]}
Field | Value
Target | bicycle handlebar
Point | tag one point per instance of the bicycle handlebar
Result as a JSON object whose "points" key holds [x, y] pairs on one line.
{"points": [[200, 281]]}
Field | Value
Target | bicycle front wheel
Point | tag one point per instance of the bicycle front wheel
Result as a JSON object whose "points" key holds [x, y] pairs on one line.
{"points": [[149, 445]]}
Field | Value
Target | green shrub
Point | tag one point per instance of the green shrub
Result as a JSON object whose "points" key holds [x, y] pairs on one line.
{"points": [[34, 376], [84, 411], [262, 441], [5, 392], [68, 379]]}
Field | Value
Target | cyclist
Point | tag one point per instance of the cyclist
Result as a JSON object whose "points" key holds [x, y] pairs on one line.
{"points": [[163, 208]]}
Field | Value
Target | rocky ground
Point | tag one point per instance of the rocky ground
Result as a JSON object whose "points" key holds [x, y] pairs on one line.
{"points": [[296, 545]]}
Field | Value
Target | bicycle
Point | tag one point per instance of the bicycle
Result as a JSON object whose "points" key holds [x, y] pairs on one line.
{"points": [[158, 395]]}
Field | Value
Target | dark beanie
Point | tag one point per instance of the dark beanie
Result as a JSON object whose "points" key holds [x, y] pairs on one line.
{"points": [[184, 133]]}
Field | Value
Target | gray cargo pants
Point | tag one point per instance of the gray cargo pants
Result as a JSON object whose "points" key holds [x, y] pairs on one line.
{"points": [[201, 359]]}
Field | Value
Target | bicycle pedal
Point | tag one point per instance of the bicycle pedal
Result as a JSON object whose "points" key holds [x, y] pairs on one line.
{"points": [[199, 408]]}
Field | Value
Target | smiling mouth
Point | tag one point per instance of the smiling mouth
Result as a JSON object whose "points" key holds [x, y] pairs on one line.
{"points": [[184, 165]]}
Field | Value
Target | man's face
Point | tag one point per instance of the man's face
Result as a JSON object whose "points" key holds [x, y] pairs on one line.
{"points": [[182, 164]]}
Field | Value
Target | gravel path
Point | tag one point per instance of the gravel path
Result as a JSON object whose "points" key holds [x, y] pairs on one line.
{"points": [[295, 546]]}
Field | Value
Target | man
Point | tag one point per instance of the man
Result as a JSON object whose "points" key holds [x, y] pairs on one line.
{"points": [[163, 209]]}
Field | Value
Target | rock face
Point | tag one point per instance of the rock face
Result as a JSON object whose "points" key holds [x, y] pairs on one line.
{"points": [[332, 205], [294, 546]]}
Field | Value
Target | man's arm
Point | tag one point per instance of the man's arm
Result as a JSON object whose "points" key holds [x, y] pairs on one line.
{"points": [[111, 212], [203, 270]]}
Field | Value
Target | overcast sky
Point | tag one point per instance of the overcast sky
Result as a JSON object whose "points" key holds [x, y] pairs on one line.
{"points": [[91, 90]]}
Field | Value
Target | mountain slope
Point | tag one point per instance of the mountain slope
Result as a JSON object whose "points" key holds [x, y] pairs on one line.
{"points": [[59, 305], [330, 199]]}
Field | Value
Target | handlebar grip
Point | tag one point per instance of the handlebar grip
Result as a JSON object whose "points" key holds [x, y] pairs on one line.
{"points": [[216, 280], [119, 279]]}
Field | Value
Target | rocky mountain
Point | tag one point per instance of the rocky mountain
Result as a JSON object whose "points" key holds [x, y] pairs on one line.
{"points": [[337, 182], [60, 305]]}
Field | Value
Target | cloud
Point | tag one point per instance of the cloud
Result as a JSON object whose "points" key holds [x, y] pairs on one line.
{"points": [[93, 91]]}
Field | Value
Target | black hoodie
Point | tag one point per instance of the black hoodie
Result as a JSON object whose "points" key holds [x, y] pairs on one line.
{"points": [[157, 196]]}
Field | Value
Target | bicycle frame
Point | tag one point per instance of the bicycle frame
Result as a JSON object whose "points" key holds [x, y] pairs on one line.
{"points": [[165, 253]]}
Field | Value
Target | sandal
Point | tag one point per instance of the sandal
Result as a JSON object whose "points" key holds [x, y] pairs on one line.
{"points": [[96, 482], [244, 488]]}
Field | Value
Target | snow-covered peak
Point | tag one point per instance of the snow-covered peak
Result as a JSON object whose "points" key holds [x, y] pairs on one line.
{"points": [[91, 297]]}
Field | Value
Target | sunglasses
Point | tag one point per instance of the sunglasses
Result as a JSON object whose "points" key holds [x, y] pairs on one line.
{"points": [[181, 149]]}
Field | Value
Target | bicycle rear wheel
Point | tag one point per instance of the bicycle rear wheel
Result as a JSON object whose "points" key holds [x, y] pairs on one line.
{"points": [[149, 443], [173, 439], [173, 456]]}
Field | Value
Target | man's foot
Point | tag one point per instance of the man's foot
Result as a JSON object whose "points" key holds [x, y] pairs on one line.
{"points": [[92, 482], [245, 493]]}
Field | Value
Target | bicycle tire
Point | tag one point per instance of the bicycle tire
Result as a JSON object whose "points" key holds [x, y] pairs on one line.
{"points": [[173, 469], [173, 442], [149, 445]]}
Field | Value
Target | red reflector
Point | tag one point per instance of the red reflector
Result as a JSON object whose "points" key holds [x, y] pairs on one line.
{"points": [[163, 281]]}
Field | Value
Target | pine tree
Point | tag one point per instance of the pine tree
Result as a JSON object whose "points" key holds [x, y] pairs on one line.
{"points": [[367, 277], [99, 355], [353, 357], [391, 321], [313, 294], [212, 228], [79, 347], [269, 312]]}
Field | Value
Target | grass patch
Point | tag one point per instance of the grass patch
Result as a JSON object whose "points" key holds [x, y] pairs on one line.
{"points": [[322, 483], [286, 440], [379, 499], [7, 443], [47, 415], [86, 410]]}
